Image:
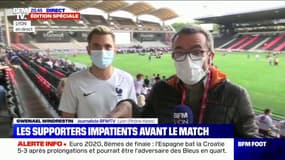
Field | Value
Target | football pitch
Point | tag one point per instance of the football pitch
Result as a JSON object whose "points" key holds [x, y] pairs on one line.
{"points": [[265, 83]]}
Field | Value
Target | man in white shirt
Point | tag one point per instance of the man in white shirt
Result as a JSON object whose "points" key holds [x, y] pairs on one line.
{"points": [[139, 84], [94, 93], [265, 123]]}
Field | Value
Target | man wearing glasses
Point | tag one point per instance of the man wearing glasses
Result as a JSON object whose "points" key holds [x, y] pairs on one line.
{"points": [[198, 93]]}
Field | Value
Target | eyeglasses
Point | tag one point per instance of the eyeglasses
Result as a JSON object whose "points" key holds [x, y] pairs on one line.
{"points": [[195, 55]]}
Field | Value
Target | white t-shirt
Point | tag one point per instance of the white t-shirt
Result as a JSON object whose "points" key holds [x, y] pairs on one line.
{"points": [[90, 97], [138, 86], [264, 122]]}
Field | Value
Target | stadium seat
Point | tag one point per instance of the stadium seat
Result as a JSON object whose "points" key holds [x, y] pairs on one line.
{"points": [[42, 70], [58, 73], [25, 64]]}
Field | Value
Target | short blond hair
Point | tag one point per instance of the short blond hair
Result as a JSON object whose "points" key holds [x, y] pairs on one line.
{"points": [[100, 30]]}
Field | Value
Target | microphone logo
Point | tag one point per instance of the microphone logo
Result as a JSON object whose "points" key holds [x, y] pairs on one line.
{"points": [[181, 118], [183, 114]]}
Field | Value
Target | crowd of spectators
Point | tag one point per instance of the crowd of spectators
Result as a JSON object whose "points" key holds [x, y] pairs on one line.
{"points": [[143, 85], [47, 61], [142, 51]]}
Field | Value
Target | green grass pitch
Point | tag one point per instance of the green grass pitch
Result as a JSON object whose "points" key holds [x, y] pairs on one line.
{"points": [[265, 83]]}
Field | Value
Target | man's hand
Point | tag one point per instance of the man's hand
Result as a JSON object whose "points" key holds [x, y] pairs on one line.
{"points": [[123, 110]]}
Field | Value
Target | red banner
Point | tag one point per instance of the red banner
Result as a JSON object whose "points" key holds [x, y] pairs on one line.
{"points": [[54, 16]]}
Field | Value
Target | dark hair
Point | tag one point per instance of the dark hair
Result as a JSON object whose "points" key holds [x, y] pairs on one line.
{"points": [[139, 75], [267, 111], [192, 29], [100, 30]]}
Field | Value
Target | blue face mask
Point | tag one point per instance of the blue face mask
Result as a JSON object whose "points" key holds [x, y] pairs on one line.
{"points": [[102, 58]]}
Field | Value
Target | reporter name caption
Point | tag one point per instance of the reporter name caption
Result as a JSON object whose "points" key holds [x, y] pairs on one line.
{"points": [[118, 139]]}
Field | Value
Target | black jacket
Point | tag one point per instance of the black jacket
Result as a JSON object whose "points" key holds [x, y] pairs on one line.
{"points": [[226, 103]]}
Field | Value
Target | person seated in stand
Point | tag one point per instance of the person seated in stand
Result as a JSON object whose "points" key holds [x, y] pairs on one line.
{"points": [[265, 124]]}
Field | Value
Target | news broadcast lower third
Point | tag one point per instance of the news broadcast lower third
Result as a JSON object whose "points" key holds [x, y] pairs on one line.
{"points": [[113, 138], [117, 80]]}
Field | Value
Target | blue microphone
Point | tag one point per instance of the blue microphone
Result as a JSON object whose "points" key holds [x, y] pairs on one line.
{"points": [[183, 115]]}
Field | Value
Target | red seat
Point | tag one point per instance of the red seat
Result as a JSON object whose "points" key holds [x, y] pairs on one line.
{"points": [[42, 70], [59, 74], [25, 64], [44, 84], [46, 87]]}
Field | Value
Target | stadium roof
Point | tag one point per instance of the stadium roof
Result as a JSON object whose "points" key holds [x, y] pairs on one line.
{"points": [[164, 13], [139, 8], [271, 14], [76, 5], [108, 6]]}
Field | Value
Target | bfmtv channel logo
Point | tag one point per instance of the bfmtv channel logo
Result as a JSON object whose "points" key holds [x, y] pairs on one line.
{"points": [[21, 13], [183, 114], [22, 24]]}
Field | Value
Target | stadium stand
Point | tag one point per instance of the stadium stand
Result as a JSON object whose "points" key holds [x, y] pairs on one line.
{"points": [[221, 42], [43, 71], [273, 42], [14, 104], [45, 106], [278, 43], [256, 43], [238, 42], [50, 45], [94, 20], [41, 24], [251, 40], [30, 46], [65, 23], [152, 26], [238, 30], [261, 43], [280, 47], [123, 23]]}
